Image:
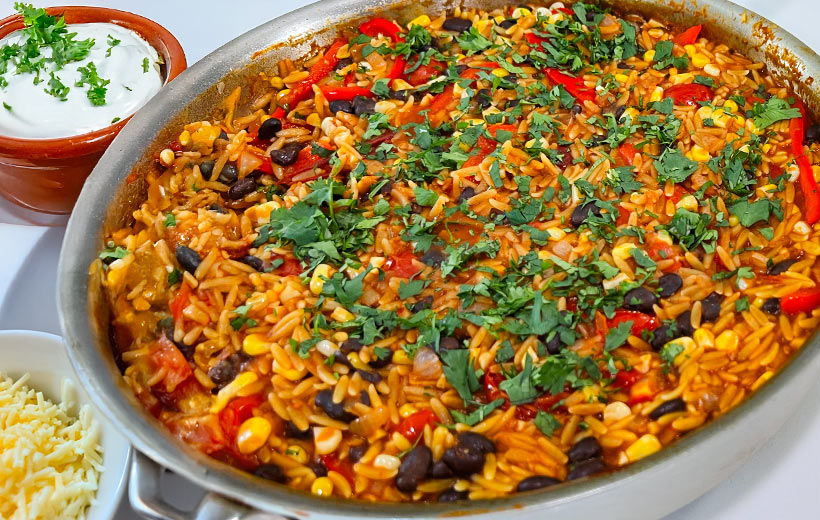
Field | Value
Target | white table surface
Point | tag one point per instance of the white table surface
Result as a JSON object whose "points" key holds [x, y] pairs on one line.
{"points": [[779, 481]]}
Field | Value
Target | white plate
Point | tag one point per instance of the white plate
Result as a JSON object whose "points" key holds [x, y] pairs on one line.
{"points": [[43, 357]]}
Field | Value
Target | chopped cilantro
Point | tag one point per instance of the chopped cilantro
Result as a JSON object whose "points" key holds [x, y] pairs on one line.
{"points": [[546, 423]]}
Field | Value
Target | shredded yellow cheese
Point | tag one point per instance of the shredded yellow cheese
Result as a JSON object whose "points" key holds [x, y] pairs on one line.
{"points": [[50, 459]]}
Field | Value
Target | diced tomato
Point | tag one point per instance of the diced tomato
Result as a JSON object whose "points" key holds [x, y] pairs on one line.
{"points": [[565, 10], [180, 301], [642, 390], [485, 147], [689, 93], [624, 379], [549, 402], [425, 73], [804, 300], [525, 412], [342, 467], [305, 161], [627, 152], [289, 267], [572, 303], [412, 426], [689, 36], [168, 357], [376, 26], [493, 129], [201, 433], [660, 250], [403, 265], [236, 412], [492, 380], [535, 40], [623, 216], [640, 321], [678, 193]]}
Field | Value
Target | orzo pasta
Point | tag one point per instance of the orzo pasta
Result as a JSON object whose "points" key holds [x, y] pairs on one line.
{"points": [[472, 254]]}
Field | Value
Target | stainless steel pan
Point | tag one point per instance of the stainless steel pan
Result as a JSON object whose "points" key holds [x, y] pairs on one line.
{"points": [[648, 489]]}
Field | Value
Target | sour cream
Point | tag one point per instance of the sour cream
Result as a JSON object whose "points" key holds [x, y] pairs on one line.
{"points": [[28, 112]]}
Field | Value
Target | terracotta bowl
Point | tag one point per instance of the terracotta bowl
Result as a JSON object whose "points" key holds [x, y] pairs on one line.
{"points": [[46, 175]]}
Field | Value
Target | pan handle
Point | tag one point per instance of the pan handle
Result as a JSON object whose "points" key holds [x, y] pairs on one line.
{"points": [[146, 499]]}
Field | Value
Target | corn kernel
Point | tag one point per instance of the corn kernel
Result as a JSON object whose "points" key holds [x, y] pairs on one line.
{"points": [[326, 439], [711, 70], [501, 73], [316, 279], [282, 93], [407, 409], [688, 345], [255, 344], [556, 233], [521, 12], [767, 190], [422, 21], [643, 447], [704, 338], [276, 82], [699, 154], [728, 340], [342, 315], [400, 357], [185, 138], [205, 135], [313, 119], [297, 453], [499, 19], [766, 147], [322, 487], [730, 105], [622, 251], [690, 49], [481, 25], [166, 157], [656, 95], [252, 434], [632, 113], [801, 228], [673, 72], [700, 60], [688, 202], [649, 55], [621, 78], [400, 84], [231, 389]]}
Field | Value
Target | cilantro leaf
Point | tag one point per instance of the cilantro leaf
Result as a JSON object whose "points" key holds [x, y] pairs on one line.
{"points": [[460, 373], [546, 423], [673, 165], [477, 415], [617, 336], [520, 388], [772, 111]]}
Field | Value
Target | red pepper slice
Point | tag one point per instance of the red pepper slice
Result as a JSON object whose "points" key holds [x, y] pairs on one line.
{"points": [[412, 426], [624, 379], [492, 380], [305, 161], [640, 321], [345, 93], [318, 71], [535, 40], [236, 412], [689, 94], [627, 152], [383, 26], [808, 186], [574, 86], [804, 300], [342, 467], [397, 70], [688, 36], [402, 264], [425, 73], [180, 301], [565, 10]]}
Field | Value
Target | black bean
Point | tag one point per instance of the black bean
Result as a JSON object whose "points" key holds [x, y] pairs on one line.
{"points": [[461, 68], [351, 345], [381, 362], [563, 157], [165, 327], [286, 155], [640, 299], [324, 400], [416, 208], [440, 470], [222, 373], [318, 468], [293, 432], [269, 129], [586, 468], [228, 174], [370, 377], [354, 453], [342, 63], [253, 261], [400, 95], [363, 105], [684, 324], [271, 472], [413, 468], [581, 213], [217, 208], [597, 139], [433, 257], [662, 335], [464, 460], [782, 266], [675, 405], [553, 344], [576, 109], [424, 303], [812, 135], [364, 397], [623, 65], [451, 495], [513, 103], [188, 258], [536, 482], [710, 307], [387, 188], [341, 105], [484, 98], [669, 284], [222, 135], [206, 168], [506, 24], [241, 188], [459, 25], [586, 448], [448, 343], [339, 357], [466, 193], [477, 441], [771, 306]]}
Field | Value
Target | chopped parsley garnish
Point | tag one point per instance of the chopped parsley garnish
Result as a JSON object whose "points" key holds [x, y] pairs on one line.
{"points": [[546, 423], [674, 166], [772, 111]]}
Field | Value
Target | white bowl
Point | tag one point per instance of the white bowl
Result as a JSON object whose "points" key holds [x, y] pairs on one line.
{"points": [[43, 356]]}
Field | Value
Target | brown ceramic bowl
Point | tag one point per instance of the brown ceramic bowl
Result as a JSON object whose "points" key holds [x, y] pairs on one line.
{"points": [[46, 175]]}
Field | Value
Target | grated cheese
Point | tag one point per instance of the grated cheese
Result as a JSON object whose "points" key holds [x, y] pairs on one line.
{"points": [[50, 457]]}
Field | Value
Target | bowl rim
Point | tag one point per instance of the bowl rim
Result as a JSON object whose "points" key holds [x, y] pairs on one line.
{"points": [[221, 478], [81, 144], [118, 476]]}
